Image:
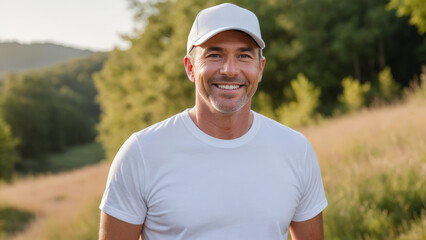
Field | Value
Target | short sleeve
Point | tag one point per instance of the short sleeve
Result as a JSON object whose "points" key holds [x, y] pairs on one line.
{"points": [[313, 200], [123, 197]]}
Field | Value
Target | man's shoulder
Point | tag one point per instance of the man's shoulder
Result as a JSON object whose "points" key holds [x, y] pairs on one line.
{"points": [[163, 128]]}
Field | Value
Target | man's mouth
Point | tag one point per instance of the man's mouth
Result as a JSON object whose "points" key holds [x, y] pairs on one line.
{"points": [[227, 86]]}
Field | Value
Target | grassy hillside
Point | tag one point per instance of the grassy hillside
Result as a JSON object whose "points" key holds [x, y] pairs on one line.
{"points": [[373, 164], [16, 57]]}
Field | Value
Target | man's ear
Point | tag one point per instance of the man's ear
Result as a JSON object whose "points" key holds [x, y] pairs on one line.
{"points": [[261, 68], [189, 68]]}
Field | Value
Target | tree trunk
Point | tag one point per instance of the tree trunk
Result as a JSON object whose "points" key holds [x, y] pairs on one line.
{"points": [[382, 60], [357, 68]]}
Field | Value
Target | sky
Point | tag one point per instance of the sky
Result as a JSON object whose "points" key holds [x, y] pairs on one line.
{"points": [[86, 24]]}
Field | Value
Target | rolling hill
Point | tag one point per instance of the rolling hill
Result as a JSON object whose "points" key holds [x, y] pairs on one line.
{"points": [[17, 57]]}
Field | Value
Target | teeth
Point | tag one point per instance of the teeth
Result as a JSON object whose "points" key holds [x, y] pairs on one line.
{"points": [[229, 87]]}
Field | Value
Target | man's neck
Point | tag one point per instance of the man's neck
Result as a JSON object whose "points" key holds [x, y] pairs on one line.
{"points": [[222, 125]]}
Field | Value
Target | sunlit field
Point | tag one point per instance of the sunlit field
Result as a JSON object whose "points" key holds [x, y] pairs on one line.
{"points": [[34, 207], [373, 164]]}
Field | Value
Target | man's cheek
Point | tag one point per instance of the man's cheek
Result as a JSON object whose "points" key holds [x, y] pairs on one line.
{"points": [[205, 86]]}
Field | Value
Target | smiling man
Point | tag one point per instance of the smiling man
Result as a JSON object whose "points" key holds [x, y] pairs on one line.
{"points": [[218, 170]]}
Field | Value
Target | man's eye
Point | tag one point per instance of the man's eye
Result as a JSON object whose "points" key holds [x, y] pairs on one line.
{"points": [[214, 55], [245, 56]]}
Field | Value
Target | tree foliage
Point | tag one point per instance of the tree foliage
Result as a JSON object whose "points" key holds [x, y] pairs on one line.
{"points": [[358, 38], [8, 154], [147, 83], [325, 40], [262, 103], [415, 9], [51, 109]]}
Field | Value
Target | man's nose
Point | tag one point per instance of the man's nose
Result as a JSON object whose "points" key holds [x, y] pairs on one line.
{"points": [[230, 67]]}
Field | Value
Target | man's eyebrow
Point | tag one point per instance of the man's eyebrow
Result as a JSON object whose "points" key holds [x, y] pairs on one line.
{"points": [[246, 49], [219, 49], [214, 49]]}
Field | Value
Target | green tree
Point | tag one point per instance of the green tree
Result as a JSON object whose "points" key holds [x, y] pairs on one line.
{"points": [[51, 109], [324, 39], [8, 154], [330, 39], [25, 106], [415, 9], [147, 83]]}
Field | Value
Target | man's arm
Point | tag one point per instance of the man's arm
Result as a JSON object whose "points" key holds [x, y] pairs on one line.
{"points": [[311, 229], [113, 229]]}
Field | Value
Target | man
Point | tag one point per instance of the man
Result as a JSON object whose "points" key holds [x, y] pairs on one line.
{"points": [[218, 170]]}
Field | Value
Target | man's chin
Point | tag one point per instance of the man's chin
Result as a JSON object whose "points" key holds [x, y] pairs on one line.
{"points": [[229, 108]]}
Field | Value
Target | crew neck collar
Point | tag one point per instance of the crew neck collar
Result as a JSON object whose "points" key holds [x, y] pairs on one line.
{"points": [[217, 142]]}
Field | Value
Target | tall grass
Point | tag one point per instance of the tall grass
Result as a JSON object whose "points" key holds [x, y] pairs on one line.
{"points": [[374, 177], [84, 225], [373, 166]]}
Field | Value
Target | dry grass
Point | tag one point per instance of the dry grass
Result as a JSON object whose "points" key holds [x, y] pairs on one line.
{"points": [[55, 198], [373, 164], [83, 226]]}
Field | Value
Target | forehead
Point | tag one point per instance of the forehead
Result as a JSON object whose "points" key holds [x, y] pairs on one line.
{"points": [[229, 39]]}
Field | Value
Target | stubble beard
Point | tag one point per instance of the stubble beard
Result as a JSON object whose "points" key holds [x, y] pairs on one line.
{"points": [[219, 102]]}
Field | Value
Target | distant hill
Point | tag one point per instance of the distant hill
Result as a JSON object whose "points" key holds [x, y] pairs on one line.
{"points": [[17, 57]]}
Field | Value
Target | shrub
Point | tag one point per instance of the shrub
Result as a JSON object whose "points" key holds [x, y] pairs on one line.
{"points": [[353, 96], [301, 110], [13, 220], [262, 103], [388, 87]]}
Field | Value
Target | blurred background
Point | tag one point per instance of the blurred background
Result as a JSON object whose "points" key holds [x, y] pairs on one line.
{"points": [[77, 78]]}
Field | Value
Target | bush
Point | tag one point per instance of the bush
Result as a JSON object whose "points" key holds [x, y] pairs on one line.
{"points": [[388, 87], [13, 220], [262, 103], [301, 110], [353, 96]]}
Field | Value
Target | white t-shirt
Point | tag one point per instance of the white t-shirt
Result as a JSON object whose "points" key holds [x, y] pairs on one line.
{"points": [[184, 184]]}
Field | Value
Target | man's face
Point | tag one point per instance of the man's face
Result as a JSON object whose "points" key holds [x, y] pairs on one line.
{"points": [[226, 70]]}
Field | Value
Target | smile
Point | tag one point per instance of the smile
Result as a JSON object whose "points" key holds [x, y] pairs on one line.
{"points": [[228, 87]]}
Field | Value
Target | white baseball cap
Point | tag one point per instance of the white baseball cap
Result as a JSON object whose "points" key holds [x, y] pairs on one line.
{"points": [[223, 17]]}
